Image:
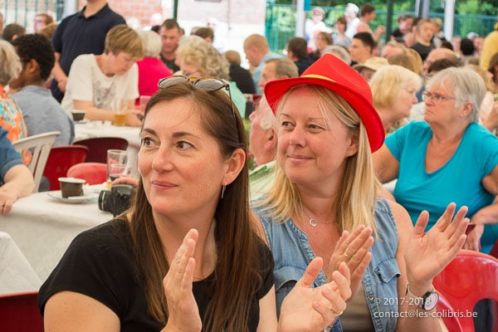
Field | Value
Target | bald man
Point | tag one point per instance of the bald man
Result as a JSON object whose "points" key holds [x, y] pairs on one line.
{"points": [[438, 54], [257, 53]]}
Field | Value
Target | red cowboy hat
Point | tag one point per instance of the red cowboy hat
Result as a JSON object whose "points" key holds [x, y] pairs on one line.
{"points": [[335, 75]]}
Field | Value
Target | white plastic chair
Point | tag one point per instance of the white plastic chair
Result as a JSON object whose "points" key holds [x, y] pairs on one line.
{"points": [[39, 146]]}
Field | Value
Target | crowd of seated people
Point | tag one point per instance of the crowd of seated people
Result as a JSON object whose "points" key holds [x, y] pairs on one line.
{"points": [[331, 125]]}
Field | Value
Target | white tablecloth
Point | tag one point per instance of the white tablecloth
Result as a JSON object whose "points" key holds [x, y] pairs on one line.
{"points": [[98, 129], [16, 274], [43, 228]]}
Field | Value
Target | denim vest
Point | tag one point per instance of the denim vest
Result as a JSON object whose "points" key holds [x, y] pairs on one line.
{"points": [[292, 253]]}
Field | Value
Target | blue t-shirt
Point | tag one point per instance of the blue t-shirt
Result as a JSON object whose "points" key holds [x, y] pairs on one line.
{"points": [[459, 180], [8, 156]]}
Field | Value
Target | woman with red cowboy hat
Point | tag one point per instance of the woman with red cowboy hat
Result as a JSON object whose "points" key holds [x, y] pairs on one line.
{"points": [[325, 203]]}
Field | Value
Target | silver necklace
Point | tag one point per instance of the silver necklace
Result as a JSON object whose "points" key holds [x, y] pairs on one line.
{"points": [[313, 222]]}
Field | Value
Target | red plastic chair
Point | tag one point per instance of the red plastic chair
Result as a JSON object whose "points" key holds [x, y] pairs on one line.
{"points": [[98, 146], [92, 173], [448, 315], [469, 278], [19, 313], [59, 161], [494, 250]]}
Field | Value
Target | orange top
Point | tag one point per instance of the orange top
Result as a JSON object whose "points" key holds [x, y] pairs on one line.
{"points": [[11, 118]]}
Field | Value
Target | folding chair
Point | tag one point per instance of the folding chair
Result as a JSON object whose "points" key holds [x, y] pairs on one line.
{"points": [[38, 146]]}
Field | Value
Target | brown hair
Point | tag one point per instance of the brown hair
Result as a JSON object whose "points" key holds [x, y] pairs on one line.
{"points": [[122, 38], [236, 275]]}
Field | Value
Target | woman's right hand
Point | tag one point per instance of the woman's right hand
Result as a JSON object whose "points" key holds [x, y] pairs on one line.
{"points": [[354, 250], [126, 180], [183, 313], [308, 308]]}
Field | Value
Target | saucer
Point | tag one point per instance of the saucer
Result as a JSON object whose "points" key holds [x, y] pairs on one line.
{"points": [[57, 195]]}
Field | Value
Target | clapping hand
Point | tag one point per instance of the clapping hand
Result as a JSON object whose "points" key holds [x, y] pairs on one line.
{"points": [[183, 313], [354, 250], [313, 309], [428, 253]]}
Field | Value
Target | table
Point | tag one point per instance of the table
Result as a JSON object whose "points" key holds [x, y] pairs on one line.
{"points": [[43, 228], [16, 274], [93, 129]]}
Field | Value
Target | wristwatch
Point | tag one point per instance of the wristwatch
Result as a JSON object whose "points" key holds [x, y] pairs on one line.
{"points": [[427, 302]]}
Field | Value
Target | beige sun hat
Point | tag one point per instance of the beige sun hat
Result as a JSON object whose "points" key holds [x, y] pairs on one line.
{"points": [[374, 63]]}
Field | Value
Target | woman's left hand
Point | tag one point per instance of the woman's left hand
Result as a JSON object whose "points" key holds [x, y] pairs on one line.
{"points": [[428, 253], [7, 199], [312, 309], [473, 241]]}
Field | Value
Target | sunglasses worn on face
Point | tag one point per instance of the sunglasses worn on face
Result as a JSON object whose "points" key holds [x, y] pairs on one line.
{"points": [[208, 84]]}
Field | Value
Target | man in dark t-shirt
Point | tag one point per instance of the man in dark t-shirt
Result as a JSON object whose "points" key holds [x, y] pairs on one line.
{"points": [[170, 33], [423, 34], [81, 33]]}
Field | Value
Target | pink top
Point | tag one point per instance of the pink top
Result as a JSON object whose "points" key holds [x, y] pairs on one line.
{"points": [[150, 71]]}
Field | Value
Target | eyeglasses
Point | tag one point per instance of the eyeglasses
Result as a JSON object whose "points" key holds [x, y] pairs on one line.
{"points": [[208, 84], [436, 97]]}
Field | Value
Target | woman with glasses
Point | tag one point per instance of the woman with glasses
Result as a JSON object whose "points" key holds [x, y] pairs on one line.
{"points": [[325, 203], [447, 158], [185, 257]]}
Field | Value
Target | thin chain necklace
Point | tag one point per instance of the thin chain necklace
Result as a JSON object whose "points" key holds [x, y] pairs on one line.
{"points": [[314, 222]]}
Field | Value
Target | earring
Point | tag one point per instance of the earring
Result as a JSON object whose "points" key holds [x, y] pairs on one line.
{"points": [[223, 191]]}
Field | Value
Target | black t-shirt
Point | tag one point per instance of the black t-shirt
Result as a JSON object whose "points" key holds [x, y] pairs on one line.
{"points": [[243, 78], [100, 263], [422, 49], [170, 64]]}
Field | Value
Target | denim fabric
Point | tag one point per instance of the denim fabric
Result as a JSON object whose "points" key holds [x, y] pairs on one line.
{"points": [[292, 253]]}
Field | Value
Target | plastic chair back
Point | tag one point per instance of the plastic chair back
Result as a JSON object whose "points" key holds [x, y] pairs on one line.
{"points": [[494, 250], [92, 173], [448, 315], [469, 278], [38, 146], [19, 313], [98, 146], [59, 161]]}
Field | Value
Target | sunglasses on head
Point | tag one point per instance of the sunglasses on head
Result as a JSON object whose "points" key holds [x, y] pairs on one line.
{"points": [[207, 84]]}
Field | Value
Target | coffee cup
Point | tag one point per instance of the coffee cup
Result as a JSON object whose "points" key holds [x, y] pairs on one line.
{"points": [[71, 187], [78, 115]]}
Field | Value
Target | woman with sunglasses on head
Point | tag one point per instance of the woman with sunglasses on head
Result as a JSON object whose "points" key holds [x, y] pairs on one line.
{"points": [[447, 158], [185, 256], [325, 203]]}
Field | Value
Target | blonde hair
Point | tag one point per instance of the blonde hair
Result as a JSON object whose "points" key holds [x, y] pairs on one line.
{"points": [[355, 202], [257, 41], [152, 44], [122, 38], [388, 81], [197, 52], [10, 64], [416, 60]]}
